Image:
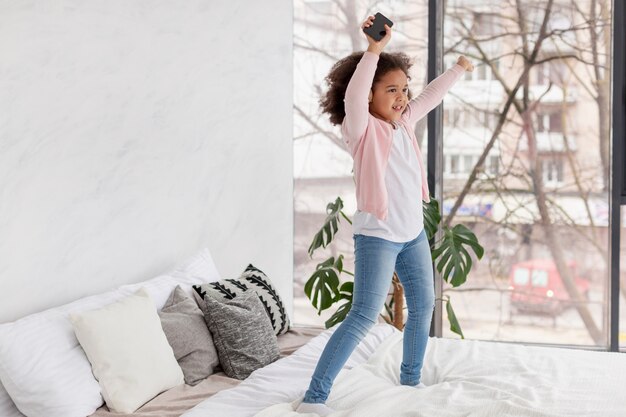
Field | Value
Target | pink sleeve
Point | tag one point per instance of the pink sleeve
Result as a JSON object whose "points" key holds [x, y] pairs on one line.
{"points": [[432, 94], [355, 101]]}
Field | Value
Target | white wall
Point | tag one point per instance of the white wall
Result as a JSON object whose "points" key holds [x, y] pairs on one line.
{"points": [[133, 133]]}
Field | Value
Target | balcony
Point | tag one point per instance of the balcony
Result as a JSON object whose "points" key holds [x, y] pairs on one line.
{"points": [[553, 96], [552, 142]]}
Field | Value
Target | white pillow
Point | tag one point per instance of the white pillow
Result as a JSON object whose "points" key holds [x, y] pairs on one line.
{"points": [[43, 367], [129, 353]]}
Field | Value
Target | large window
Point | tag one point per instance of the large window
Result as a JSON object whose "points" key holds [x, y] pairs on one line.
{"points": [[545, 273]]}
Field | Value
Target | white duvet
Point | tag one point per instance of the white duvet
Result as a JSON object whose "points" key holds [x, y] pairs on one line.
{"points": [[478, 379]]}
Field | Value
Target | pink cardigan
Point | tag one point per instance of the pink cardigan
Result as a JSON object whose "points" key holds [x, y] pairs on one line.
{"points": [[369, 139]]}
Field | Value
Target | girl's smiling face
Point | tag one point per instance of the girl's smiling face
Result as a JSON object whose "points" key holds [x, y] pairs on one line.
{"points": [[390, 96]]}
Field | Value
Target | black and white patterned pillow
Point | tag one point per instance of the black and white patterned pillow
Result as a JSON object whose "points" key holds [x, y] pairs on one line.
{"points": [[253, 279]]}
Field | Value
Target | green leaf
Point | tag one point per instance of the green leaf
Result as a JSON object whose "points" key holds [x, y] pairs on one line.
{"points": [[328, 230], [322, 288], [452, 258], [432, 217], [339, 315], [345, 293], [454, 322], [346, 290]]}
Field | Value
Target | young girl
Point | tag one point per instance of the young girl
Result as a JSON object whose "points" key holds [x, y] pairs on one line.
{"points": [[369, 96]]}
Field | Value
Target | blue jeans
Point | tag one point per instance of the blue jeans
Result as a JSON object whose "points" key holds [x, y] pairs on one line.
{"points": [[375, 261]]}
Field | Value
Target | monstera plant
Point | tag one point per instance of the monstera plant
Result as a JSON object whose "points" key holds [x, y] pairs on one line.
{"points": [[450, 255]]}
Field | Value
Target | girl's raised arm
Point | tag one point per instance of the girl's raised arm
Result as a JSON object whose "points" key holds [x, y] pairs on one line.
{"points": [[356, 99], [435, 91]]}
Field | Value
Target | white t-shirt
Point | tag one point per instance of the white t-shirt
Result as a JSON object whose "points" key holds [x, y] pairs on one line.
{"points": [[403, 180]]}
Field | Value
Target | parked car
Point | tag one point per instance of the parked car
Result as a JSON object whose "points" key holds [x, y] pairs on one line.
{"points": [[536, 287]]}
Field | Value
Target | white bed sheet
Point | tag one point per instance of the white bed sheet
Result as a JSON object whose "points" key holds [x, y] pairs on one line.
{"points": [[479, 379], [286, 379], [7, 407]]}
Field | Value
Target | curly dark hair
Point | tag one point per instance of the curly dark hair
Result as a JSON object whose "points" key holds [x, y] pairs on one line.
{"points": [[340, 74]]}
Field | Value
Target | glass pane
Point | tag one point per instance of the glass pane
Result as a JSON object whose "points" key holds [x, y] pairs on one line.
{"points": [[520, 276], [545, 172], [539, 278], [324, 32]]}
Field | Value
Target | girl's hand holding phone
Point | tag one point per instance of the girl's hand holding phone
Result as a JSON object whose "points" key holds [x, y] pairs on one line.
{"points": [[376, 46], [465, 63]]}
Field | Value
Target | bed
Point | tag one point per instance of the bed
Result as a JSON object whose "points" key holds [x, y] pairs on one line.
{"points": [[48, 374], [462, 378]]}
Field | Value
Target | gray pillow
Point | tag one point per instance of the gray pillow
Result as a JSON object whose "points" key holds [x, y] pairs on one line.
{"points": [[242, 333], [187, 333]]}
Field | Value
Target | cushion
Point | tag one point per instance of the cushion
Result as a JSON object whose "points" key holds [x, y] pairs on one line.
{"points": [[129, 353], [189, 337], [42, 366], [242, 333], [254, 279]]}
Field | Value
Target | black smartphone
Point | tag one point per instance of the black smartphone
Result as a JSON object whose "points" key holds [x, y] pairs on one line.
{"points": [[377, 30]]}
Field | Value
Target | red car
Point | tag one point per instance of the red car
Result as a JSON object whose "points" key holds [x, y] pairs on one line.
{"points": [[536, 286]]}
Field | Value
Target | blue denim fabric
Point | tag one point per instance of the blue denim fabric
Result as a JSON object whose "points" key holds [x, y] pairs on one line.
{"points": [[375, 261]]}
